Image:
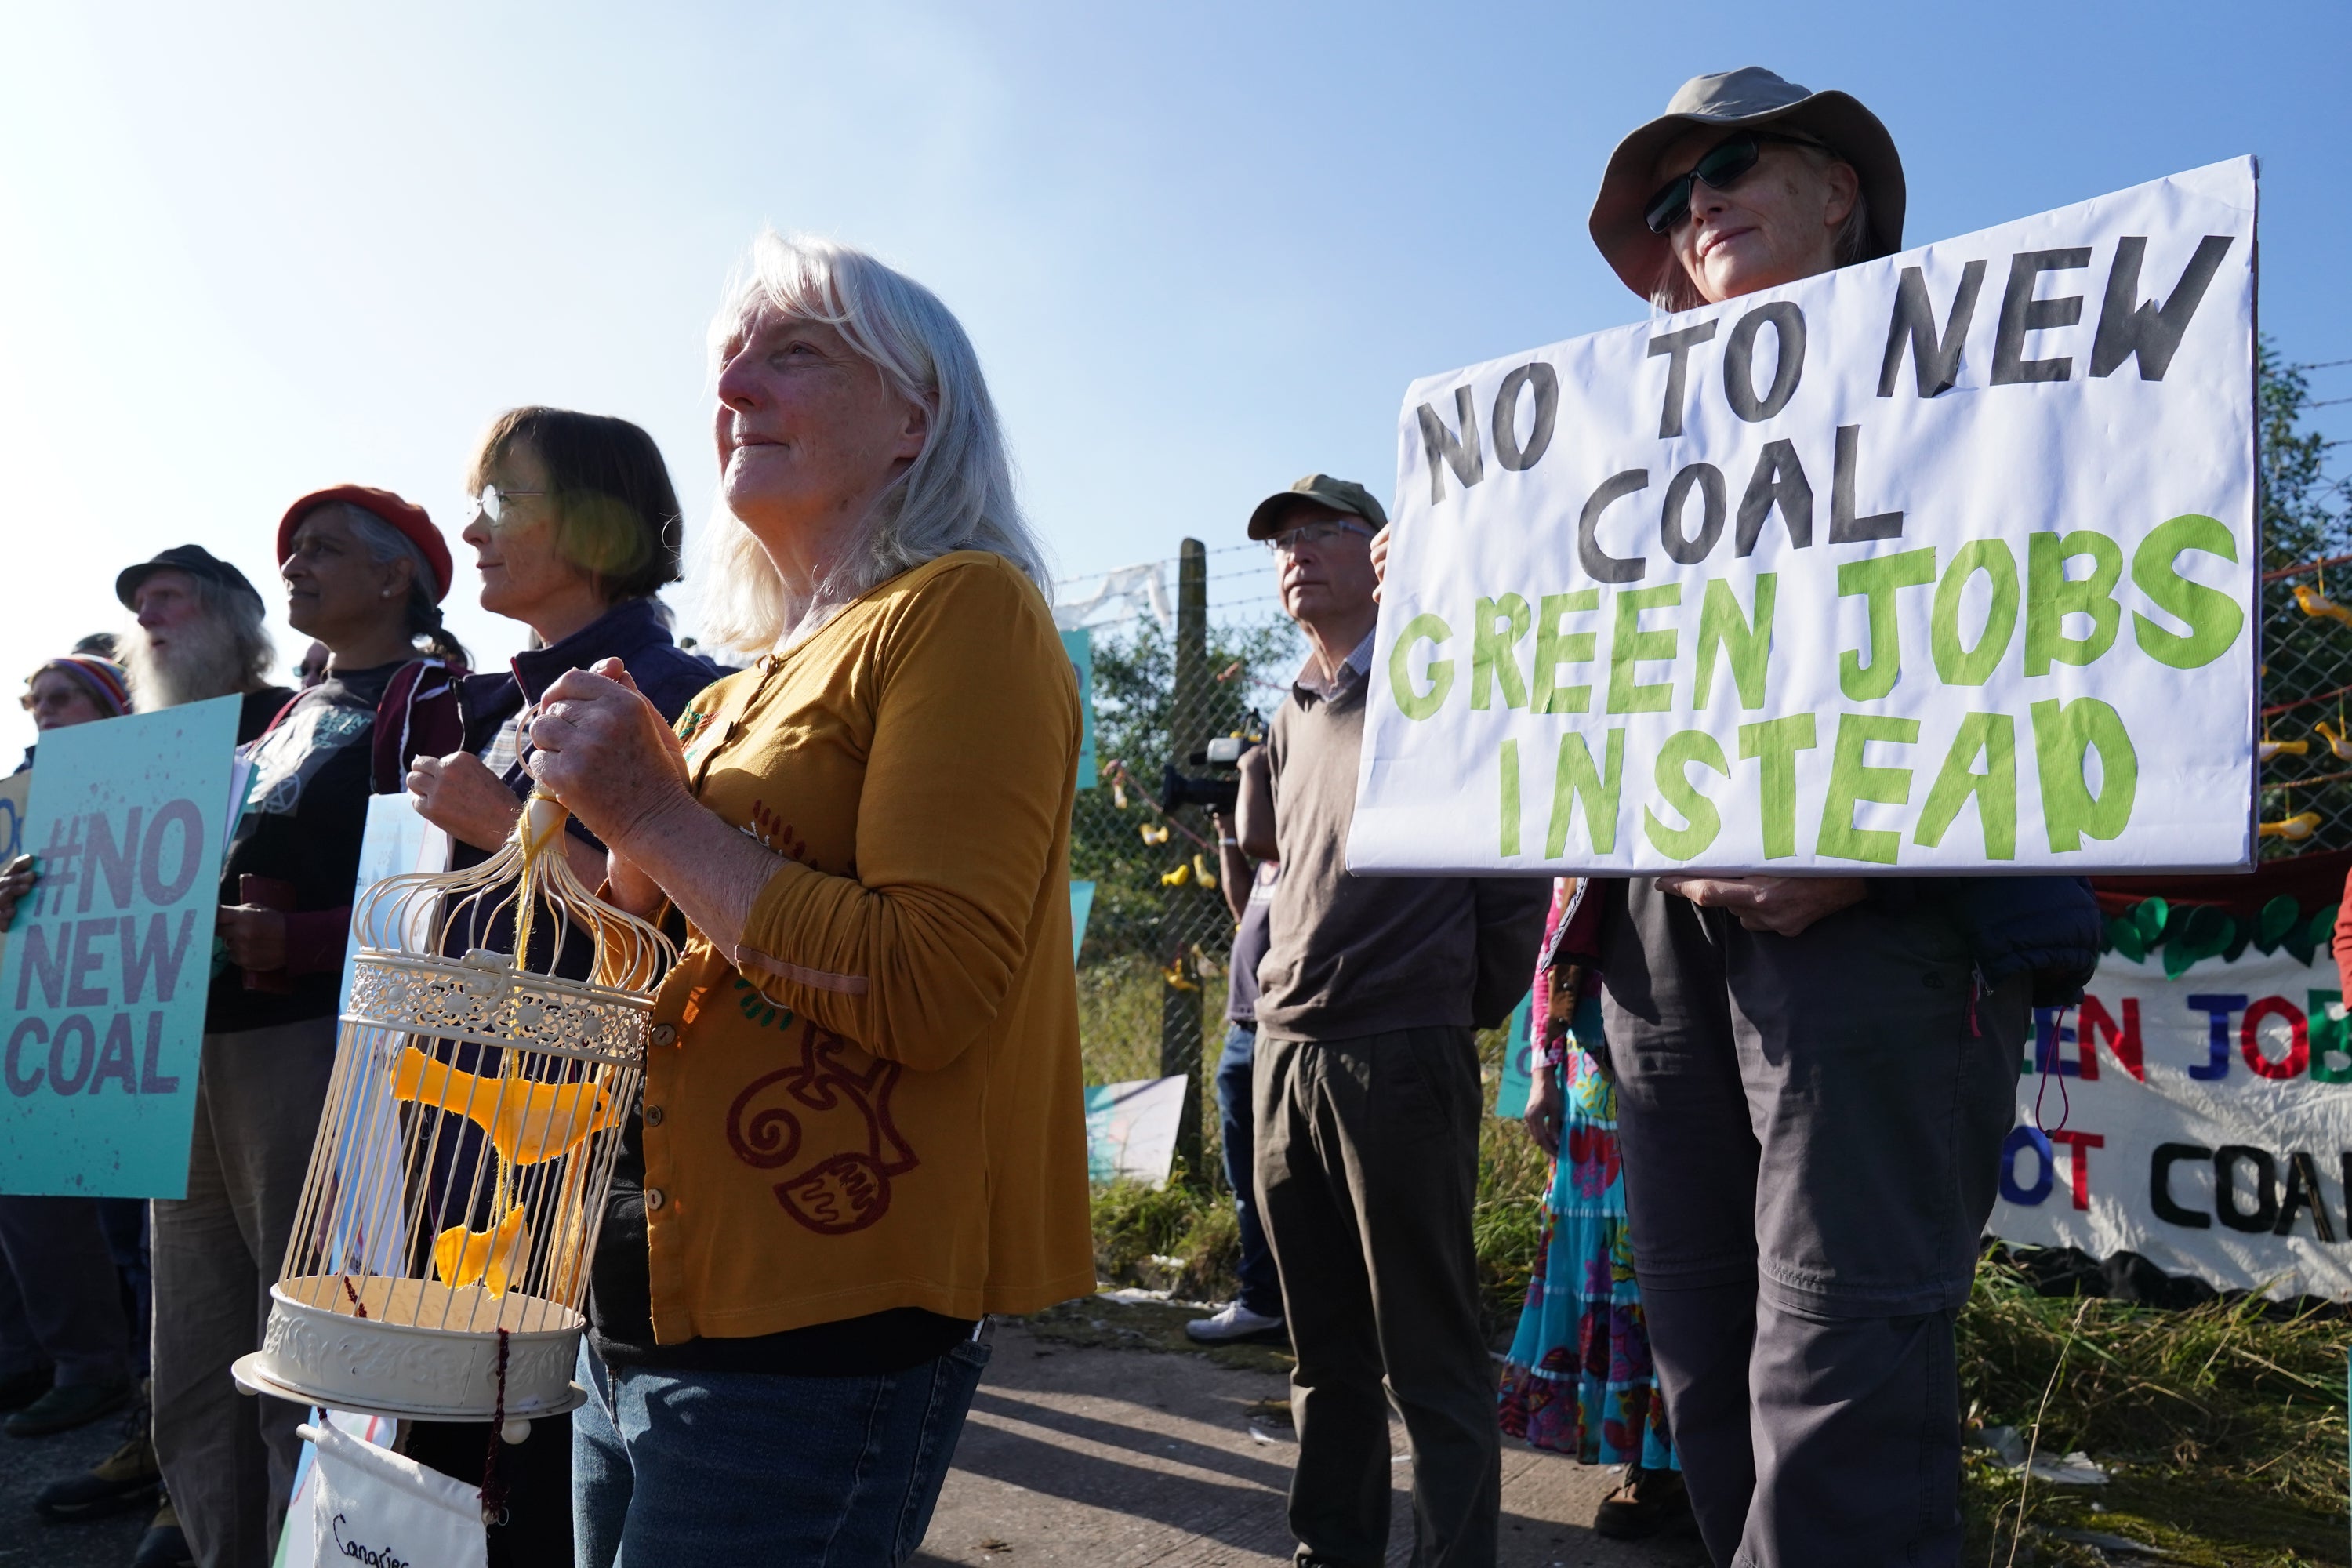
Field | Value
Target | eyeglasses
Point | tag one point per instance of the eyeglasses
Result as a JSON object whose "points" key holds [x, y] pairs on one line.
{"points": [[1287, 541], [1720, 167], [491, 503]]}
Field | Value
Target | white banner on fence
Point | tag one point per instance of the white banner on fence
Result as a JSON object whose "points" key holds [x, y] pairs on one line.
{"points": [[1942, 561], [2204, 1122]]}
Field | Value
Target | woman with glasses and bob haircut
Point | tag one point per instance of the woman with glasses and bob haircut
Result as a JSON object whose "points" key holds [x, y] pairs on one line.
{"points": [[575, 528], [864, 1127], [1815, 1075]]}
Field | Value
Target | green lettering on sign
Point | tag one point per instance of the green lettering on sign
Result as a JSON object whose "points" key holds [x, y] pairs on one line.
{"points": [[1775, 743], [1556, 648], [1993, 737], [2050, 596], [1852, 781], [1629, 645], [2065, 733], [1494, 659], [1576, 780], [1420, 704], [1958, 665], [1877, 578], [1746, 640], [2214, 618], [1702, 821]]}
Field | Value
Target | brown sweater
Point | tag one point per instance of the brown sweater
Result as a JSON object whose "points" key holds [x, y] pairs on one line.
{"points": [[1363, 955]]}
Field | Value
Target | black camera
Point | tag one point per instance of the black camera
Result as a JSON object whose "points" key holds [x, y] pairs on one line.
{"points": [[1225, 752]]}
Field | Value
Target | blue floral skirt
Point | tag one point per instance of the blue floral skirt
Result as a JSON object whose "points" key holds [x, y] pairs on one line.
{"points": [[1579, 1379]]}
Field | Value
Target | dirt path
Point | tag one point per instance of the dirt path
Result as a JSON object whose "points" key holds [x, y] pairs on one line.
{"points": [[1118, 1457]]}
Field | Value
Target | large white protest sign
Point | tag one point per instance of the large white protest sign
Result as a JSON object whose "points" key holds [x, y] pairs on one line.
{"points": [[2204, 1122], [1939, 562]]}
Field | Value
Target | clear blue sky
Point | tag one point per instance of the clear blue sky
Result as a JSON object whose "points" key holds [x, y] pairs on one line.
{"points": [[253, 250]]}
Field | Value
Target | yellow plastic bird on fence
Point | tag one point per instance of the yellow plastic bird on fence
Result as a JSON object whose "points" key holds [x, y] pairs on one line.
{"points": [[2312, 601], [2303, 825]]}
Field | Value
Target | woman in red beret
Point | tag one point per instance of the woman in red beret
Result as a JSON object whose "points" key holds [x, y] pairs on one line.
{"points": [[366, 572]]}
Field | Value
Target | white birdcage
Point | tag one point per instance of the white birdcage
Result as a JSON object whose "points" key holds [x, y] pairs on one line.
{"points": [[439, 1256]]}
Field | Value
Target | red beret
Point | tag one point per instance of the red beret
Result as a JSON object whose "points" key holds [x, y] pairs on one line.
{"points": [[408, 517]]}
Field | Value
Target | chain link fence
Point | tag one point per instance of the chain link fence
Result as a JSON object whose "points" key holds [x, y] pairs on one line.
{"points": [[2306, 622], [1153, 968]]}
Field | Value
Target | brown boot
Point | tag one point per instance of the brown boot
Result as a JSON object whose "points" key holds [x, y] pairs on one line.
{"points": [[1645, 1503]]}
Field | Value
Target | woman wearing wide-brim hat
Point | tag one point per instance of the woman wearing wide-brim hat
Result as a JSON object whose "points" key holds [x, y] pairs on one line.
{"points": [[1815, 1075]]}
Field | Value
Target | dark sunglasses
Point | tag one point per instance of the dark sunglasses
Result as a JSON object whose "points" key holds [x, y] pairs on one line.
{"points": [[1720, 167]]}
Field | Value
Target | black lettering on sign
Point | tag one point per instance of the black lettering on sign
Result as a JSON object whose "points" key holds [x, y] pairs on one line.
{"points": [[1677, 345], [1779, 480], [1739, 360], [1459, 453], [2303, 1192], [1598, 564], [2265, 1214], [2022, 313], [2159, 1184], [1684, 547], [2151, 331], [1845, 527], [1508, 449], [1935, 358]]}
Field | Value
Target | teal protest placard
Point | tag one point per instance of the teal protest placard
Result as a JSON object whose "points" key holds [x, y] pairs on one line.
{"points": [[109, 959], [1080, 646]]}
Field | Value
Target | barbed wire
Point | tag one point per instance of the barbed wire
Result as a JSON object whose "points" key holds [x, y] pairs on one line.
{"points": [[2320, 364]]}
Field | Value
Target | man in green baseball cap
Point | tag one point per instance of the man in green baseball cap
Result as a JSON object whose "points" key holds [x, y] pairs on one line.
{"points": [[1367, 1091]]}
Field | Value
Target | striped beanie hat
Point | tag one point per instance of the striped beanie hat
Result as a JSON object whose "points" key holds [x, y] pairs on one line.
{"points": [[102, 679]]}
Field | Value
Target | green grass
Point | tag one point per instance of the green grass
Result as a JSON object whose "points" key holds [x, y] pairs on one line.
{"points": [[2223, 1426]]}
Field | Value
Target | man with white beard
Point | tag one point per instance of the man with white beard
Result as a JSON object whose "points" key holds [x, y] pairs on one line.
{"points": [[199, 634]]}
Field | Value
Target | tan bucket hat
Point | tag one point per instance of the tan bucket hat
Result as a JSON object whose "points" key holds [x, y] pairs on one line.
{"points": [[1746, 99]]}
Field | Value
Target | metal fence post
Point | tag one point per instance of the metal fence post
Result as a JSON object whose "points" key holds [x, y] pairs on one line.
{"points": [[1188, 729]]}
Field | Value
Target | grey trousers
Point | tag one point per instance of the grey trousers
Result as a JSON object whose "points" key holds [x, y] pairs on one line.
{"points": [[1367, 1170], [1812, 1130], [229, 1459], [60, 1297]]}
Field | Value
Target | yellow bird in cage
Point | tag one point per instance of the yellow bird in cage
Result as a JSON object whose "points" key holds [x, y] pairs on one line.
{"points": [[2266, 750], [1179, 876], [492, 1259], [2303, 825], [1151, 835], [528, 1122], [2312, 601], [1200, 872], [2338, 742]]}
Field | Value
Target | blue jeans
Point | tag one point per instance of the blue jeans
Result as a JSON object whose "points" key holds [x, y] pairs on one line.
{"points": [[1261, 1285], [684, 1469]]}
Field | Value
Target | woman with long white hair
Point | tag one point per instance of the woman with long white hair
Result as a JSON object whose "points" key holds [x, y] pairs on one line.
{"points": [[863, 1128]]}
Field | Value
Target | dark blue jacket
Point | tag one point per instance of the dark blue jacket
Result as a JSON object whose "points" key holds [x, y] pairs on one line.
{"points": [[2045, 926], [633, 632]]}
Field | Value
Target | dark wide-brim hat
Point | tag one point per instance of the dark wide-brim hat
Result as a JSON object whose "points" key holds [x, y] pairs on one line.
{"points": [[192, 559], [1748, 99]]}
